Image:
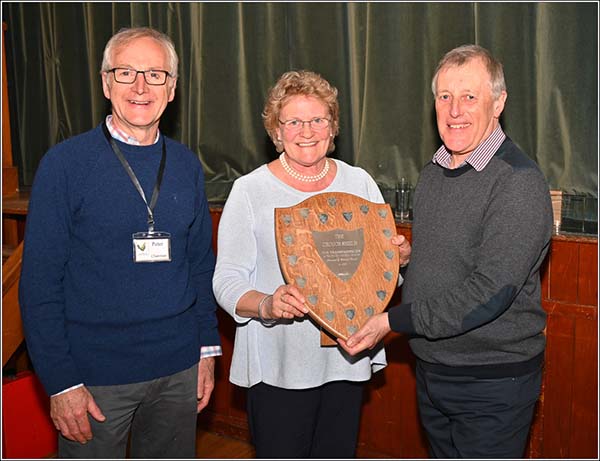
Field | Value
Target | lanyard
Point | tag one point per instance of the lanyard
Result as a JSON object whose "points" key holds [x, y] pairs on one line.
{"points": [[134, 179]]}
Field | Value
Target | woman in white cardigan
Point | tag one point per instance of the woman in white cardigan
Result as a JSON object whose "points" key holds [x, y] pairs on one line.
{"points": [[304, 400]]}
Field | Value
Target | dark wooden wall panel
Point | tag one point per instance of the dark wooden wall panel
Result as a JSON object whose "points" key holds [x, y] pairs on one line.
{"points": [[587, 276], [564, 268], [557, 392], [584, 420]]}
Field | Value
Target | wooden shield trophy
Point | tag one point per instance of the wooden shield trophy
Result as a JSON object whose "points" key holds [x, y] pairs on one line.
{"points": [[335, 248]]}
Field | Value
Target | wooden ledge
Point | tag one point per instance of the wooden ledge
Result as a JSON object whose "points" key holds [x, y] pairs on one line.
{"points": [[15, 204], [580, 238]]}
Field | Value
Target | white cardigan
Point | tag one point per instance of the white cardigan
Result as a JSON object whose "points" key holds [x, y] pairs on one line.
{"points": [[287, 354]]}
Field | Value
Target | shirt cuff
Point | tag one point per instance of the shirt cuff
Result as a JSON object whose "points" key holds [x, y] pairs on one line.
{"points": [[210, 351], [67, 390], [403, 270]]}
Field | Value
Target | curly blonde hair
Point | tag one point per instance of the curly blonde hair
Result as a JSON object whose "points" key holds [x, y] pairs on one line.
{"points": [[303, 83]]}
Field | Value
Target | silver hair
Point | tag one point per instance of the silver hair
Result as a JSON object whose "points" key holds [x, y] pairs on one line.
{"points": [[466, 53], [126, 35]]}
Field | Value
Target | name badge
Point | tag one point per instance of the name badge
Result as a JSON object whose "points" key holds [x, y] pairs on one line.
{"points": [[151, 247]]}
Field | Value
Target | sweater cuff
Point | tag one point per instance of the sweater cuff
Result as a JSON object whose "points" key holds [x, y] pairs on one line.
{"points": [[403, 270], [400, 319], [210, 337]]}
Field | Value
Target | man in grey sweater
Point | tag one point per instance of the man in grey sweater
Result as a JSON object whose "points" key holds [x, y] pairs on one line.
{"points": [[471, 296]]}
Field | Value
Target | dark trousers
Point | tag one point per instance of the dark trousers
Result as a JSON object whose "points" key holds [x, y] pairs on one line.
{"points": [[466, 417], [320, 422], [160, 414]]}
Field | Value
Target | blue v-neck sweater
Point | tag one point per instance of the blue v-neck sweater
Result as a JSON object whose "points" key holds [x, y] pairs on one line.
{"points": [[91, 314]]}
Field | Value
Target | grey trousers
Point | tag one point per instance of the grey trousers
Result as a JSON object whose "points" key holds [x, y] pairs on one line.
{"points": [[159, 416]]}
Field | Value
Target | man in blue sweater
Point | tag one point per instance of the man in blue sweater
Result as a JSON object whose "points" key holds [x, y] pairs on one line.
{"points": [[116, 288], [471, 295]]}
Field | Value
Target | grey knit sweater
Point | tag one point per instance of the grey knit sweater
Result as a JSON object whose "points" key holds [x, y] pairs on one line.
{"points": [[471, 295]]}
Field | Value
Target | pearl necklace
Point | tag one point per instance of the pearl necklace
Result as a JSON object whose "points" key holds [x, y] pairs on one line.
{"points": [[301, 177]]}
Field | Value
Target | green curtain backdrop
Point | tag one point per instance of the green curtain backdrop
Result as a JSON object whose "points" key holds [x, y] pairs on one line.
{"points": [[380, 55]]}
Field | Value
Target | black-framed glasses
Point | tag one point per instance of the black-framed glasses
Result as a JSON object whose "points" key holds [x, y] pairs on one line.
{"points": [[152, 77], [294, 125]]}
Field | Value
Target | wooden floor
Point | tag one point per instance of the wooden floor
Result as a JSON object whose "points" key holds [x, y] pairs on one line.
{"points": [[214, 446]]}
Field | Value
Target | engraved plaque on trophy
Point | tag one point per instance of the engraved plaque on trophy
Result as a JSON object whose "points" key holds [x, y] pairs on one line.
{"points": [[336, 249]]}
